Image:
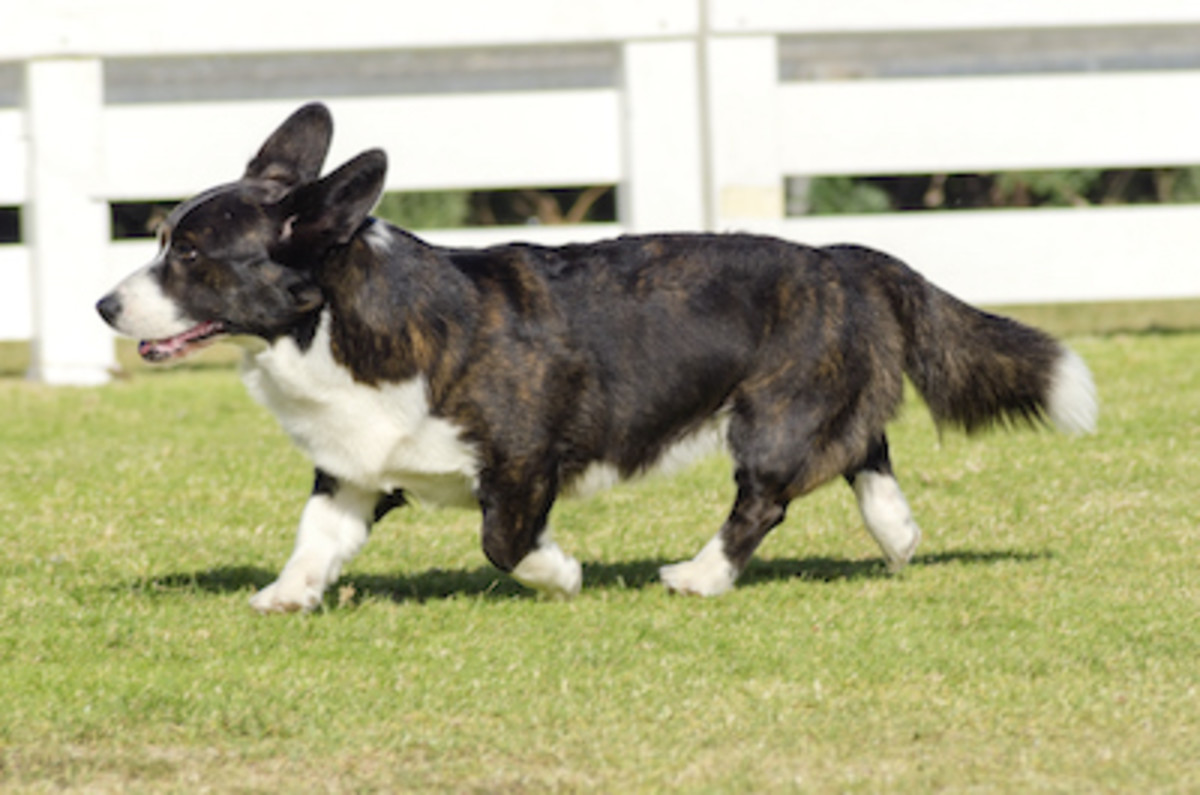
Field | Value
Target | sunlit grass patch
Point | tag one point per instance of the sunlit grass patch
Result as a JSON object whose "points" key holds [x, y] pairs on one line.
{"points": [[1044, 638]]}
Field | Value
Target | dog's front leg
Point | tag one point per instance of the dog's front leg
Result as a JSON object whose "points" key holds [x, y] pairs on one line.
{"points": [[516, 539], [333, 528]]}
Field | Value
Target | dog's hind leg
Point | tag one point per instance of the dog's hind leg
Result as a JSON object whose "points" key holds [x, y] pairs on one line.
{"points": [[783, 448], [883, 507], [333, 528], [771, 468], [757, 509]]}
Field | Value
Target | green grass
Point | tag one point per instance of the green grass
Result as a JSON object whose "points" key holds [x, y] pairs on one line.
{"points": [[1045, 639]]}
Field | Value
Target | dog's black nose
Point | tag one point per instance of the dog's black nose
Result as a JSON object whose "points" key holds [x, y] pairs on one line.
{"points": [[109, 308]]}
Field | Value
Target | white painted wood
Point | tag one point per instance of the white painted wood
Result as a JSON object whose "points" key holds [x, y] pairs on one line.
{"points": [[663, 185], [66, 222], [482, 237], [131, 28], [14, 167], [493, 140], [990, 123], [744, 128], [1030, 256], [698, 131], [16, 294], [809, 16]]}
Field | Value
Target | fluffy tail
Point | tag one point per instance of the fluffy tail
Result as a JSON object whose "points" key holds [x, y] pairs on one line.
{"points": [[976, 369]]}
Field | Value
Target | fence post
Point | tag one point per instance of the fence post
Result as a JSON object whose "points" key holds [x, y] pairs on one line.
{"points": [[66, 223], [742, 79], [664, 156]]}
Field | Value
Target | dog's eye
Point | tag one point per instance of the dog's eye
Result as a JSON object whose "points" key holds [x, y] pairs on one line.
{"points": [[184, 251]]}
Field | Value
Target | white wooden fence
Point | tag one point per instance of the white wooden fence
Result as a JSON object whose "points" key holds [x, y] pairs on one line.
{"points": [[685, 104]]}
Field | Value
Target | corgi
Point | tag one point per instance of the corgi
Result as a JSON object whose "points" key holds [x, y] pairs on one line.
{"points": [[505, 377]]}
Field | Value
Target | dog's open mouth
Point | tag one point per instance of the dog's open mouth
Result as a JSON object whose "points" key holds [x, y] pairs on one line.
{"points": [[181, 345]]}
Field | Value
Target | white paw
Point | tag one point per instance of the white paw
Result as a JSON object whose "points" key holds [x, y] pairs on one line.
{"points": [[291, 593], [710, 573], [550, 570], [278, 598], [570, 581], [887, 517], [897, 557]]}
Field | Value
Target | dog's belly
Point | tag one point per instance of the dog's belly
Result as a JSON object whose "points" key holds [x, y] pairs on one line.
{"points": [[382, 438], [708, 438]]}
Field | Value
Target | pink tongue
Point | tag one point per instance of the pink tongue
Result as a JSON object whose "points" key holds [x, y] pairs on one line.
{"points": [[179, 345]]}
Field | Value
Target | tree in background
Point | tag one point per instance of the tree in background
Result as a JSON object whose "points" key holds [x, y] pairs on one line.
{"points": [[1062, 188]]}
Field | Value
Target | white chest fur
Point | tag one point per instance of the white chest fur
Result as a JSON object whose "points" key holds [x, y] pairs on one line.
{"points": [[378, 437]]}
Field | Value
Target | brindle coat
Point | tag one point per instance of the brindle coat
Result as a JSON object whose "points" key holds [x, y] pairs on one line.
{"points": [[548, 362]]}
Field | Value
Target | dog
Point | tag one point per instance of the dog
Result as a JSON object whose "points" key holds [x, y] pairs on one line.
{"points": [[505, 377]]}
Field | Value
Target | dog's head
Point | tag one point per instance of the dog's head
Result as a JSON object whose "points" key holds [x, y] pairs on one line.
{"points": [[243, 258]]}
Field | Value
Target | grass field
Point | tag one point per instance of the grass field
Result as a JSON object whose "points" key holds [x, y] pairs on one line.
{"points": [[1045, 639]]}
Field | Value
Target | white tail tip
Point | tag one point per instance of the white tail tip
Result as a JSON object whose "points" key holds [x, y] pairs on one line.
{"points": [[1071, 402]]}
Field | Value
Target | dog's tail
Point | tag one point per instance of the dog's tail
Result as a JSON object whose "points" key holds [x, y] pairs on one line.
{"points": [[975, 369]]}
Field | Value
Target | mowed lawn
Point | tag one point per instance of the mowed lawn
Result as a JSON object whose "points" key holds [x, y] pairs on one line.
{"points": [[1046, 638]]}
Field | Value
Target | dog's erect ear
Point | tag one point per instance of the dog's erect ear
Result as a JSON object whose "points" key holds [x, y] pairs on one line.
{"points": [[330, 211], [295, 152]]}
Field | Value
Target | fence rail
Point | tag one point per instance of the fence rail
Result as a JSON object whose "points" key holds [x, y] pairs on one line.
{"points": [[692, 107]]}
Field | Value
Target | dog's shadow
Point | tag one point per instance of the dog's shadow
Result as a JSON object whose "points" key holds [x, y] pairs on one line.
{"points": [[487, 582]]}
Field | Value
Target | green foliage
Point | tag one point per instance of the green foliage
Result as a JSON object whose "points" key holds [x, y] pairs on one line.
{"points": [[1044, 639], [453, 209], [425, 209], [1042, 188], [846, 196], [1181, 185], [1061, 188]]}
